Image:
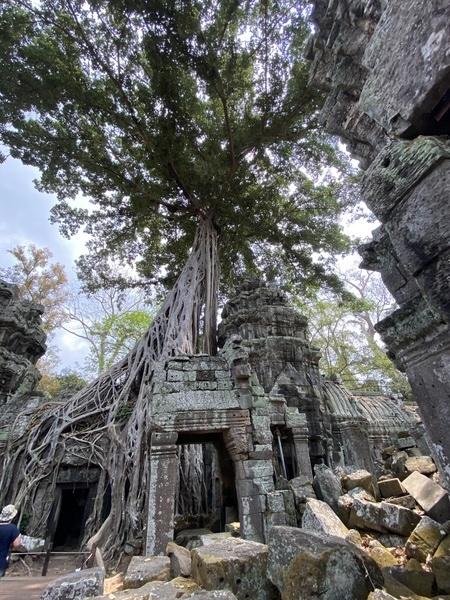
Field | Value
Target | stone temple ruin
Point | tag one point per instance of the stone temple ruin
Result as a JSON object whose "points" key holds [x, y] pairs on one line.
{"points": [[260, 410], [22, 343]]}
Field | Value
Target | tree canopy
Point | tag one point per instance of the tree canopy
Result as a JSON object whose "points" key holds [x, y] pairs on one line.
{"points": [[159, 112]]}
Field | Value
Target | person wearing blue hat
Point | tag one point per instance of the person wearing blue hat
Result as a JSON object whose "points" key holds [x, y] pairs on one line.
{"points": [[9, 536]]}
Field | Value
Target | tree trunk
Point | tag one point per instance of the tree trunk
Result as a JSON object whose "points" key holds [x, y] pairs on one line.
{"points": [[96, 412]]}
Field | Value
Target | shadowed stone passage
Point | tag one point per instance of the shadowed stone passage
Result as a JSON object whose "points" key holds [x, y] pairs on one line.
{"points": [[386, 70]]}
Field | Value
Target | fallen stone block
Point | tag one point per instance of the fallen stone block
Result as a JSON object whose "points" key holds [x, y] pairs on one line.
{"points": [[302, 489], [405, 501], [180, 560], [144, 569], [391, 540], [381, 555], [327, 486], [212, 595], [320, 518], [236, 565], [429, 495], [155, 590], [190, 538], [398, 461], [186, 585], [383, 517], [212, 538], [440, 565], [31, 544], [421, 464], [308, 566], [344, 507], [414, 577], [76, 586], [354, 537], [358, 479], [380, 595], [391, 487], [425, 539]]}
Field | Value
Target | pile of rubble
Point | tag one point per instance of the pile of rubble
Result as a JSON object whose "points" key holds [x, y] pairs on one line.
{"points": [[358, 538]]}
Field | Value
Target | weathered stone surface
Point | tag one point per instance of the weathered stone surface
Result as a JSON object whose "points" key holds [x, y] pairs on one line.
{"points": [[211, 538], [327, 485], [358, 479], [190, 538], [405, 501], [308, 566], [180, 560], [144, 569], [186, 585], [425, 539], [421, 464], [234, 564], [380, 595], [414, 577], [383, 517], [440, 565], [212, 595], [320, 518], [155, 590], [429, 495], [234, 528], [391, 487], [76, 586], [354, 537], [381, 555]]}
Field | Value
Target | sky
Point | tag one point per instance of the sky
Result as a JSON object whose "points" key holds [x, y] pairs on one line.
{"points": [[25, 219]]}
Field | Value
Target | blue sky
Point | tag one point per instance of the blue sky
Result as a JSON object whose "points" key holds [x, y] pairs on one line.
{"points": [[24, 219]]}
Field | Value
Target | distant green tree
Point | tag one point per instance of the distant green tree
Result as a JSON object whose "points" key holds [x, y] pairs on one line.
{"points": [[110, 322], [344, 330]]}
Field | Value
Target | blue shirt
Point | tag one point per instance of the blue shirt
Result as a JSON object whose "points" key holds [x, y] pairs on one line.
{"points": [[8, 533]]}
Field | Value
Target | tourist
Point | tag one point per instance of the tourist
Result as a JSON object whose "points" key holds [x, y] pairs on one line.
{"points": [[9, 536]]}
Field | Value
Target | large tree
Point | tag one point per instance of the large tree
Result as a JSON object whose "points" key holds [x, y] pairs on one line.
{"points": [[191, 128]]}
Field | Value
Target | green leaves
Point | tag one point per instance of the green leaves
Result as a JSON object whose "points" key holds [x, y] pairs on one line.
{"points": [[158, 112]]}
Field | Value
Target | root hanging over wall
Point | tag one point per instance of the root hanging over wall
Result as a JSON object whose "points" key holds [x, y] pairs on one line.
{"points": [[109, 422]]}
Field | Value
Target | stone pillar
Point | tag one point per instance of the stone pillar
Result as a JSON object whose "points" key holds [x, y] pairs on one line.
{"points": [[161, 493], [301, 445]]}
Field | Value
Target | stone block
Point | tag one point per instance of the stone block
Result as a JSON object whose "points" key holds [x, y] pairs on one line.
{"points": [[144, 569], [405, 501], [381, 555], [360, 478], [302, 489], [380, 595], [327, 485], [213, 538], [391, 487], [307, 566], [320, 518], [212, 595], [421, 464], [429, 495], [155, 590], [190, 538], [275, 501], [180, 560], [440, 565], [425, 539], [236, 565], [78, 585], [414, 577], [383, 517]]}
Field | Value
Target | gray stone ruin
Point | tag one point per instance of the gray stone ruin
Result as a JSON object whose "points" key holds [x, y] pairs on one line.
{"points": [[260, 410], [22, 343], [385, 70]]}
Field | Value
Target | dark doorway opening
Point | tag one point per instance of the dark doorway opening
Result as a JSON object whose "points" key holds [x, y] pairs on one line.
{"points": [[285, 464], [72, 518], [206, 489]]}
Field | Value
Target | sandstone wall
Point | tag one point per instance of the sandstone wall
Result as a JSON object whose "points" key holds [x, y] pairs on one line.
{"points": [[385, 68]]}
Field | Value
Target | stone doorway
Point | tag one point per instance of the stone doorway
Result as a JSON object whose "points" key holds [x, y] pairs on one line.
{"points": [[73, 503], [206, 488]]}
